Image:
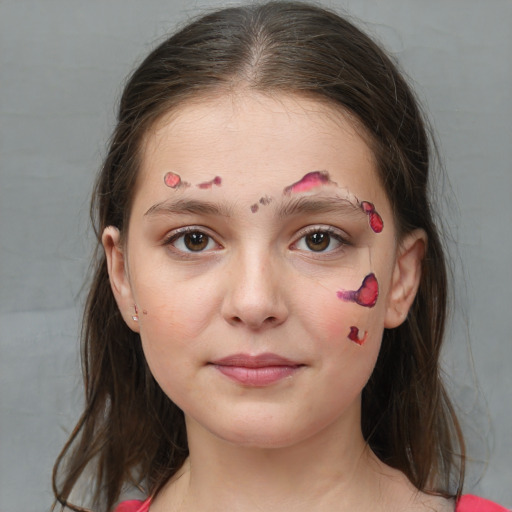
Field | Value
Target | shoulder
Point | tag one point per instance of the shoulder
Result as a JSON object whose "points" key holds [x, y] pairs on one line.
{"points": [[133, 506], [470, 503]]}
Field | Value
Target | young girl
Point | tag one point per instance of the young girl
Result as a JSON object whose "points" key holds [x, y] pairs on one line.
{"points": [[265, 322]]}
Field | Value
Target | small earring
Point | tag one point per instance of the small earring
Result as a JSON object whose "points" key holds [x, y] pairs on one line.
{"points": [[136, 316]]}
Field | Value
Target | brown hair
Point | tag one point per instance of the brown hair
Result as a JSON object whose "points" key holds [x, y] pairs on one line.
{"points": [[130, 432]]}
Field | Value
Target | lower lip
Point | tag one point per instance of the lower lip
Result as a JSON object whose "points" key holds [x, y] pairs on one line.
{"points": [[257, 377]]}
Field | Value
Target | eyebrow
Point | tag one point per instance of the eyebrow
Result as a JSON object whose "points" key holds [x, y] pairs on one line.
{"points": [[290, 207], [308, 204], [190, 206]]}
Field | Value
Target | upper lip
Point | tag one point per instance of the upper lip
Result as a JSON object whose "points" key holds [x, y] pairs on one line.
{"points": [[257, 361]]}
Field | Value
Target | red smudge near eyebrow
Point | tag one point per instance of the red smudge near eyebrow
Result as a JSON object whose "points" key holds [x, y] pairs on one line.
{"points": [[208, 184], [309, 181], [254, 208], [366, 295], [354, 335], [375, 220], [172, 180]]}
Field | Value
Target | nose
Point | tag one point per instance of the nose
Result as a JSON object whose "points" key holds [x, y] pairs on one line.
{"points": [[255, 295]]}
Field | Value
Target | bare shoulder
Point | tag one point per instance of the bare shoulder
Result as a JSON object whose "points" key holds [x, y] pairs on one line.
{"points": [[402, 496], [430, 503]]}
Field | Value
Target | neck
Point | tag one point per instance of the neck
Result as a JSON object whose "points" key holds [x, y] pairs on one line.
{"points": [[332, 470]]}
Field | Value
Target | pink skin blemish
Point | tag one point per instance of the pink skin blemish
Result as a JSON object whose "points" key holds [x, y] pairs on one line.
{"points": [[310, 180], [376, 222], [172, 180], [353, 335], [366, 295], [263, 201], [209, 184]]}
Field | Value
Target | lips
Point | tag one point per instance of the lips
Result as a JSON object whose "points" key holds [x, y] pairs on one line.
{"points": [[258, 371]]}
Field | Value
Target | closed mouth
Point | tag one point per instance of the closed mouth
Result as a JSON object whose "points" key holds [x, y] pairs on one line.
{"points": [[256, 371]]}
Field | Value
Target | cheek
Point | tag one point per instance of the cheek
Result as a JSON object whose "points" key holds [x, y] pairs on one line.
{"points": [[176, 317], [336, 321]]}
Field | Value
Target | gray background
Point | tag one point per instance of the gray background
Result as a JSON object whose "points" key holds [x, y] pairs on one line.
{"points": [[62, 63]]}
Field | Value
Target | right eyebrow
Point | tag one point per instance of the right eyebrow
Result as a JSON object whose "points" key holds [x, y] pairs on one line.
{"points": [[188, 206], [315, 204]]}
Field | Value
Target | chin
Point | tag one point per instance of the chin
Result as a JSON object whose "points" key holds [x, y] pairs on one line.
{"points": [[268, 433]]}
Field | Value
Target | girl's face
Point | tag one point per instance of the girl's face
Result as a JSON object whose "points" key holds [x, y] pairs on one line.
{"points": [[261, 266]]}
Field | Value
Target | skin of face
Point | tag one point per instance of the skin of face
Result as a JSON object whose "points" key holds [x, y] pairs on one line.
{"points": [[257, 288]]}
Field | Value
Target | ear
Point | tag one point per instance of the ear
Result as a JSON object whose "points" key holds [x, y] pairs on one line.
{"points": [[118, 275], [406, 277]]}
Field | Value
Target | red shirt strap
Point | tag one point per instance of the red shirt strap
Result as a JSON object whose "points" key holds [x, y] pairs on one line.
{"points": [[133, 506], [470, 503]]}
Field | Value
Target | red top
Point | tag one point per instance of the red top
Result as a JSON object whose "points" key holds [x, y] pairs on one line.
{"points": [[467, 503]]}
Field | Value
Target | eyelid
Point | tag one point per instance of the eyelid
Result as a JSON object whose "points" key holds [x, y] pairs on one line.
{"points": [[336, 233], [331, 230], [175, 234]]}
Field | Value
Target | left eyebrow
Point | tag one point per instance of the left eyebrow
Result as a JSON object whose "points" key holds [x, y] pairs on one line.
{"points": [[333, 204], [188, 206]]}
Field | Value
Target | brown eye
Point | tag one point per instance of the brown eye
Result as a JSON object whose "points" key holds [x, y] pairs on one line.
{"points": [[196, 241], [318, 241]]}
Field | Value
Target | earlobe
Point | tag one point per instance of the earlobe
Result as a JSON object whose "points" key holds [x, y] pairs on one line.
{"points": [[406, 278], [118, 275]]}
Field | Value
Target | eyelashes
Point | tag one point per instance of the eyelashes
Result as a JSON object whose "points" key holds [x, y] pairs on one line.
{"points": [[191, 240], [195, 240], [320, 240]]}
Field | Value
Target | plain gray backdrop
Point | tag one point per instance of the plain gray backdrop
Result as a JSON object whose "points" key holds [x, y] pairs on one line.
{"points": [[62, 64]]}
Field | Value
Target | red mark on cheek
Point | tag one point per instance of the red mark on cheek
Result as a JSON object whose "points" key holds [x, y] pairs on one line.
{"points": [[309, 181], [376, 222], [208, 184], [353, 335], [254, 207], [366, 295]]}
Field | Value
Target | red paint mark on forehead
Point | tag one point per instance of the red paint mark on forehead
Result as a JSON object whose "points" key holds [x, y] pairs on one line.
{"points": [[172, 180], [366, 295], [217, 181], [375, 220], [308, 181], [353, 335]]}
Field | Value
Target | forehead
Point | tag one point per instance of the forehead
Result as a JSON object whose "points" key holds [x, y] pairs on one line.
{"points": [[258, 141]]}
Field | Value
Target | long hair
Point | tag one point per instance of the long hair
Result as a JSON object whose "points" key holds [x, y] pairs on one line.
{"points": [[130, 432]]}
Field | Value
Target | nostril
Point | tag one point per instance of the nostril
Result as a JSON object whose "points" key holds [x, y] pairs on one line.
{"points": [[236, 320]]}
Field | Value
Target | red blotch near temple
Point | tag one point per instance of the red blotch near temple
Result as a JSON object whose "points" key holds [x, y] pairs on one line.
{"points": [[208, 184], [172, 180], [376, 222], [309, 181], [353, 335], [366, 295]]}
